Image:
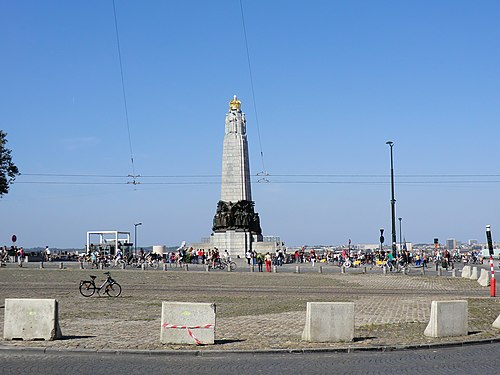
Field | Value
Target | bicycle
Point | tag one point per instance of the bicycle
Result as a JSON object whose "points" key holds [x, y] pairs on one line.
{"points": [[119, 263], [110, 286], [222, 264]]}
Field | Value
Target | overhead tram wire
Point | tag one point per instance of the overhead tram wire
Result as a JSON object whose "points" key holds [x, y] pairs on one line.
{"points": [[199, 180], [263, 173], [133, 175], [308, 182], [273, 175]]}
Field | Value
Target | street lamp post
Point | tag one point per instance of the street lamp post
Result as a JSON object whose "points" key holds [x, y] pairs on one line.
{"points": [[400, 235], [135, 237], [393, 204]]}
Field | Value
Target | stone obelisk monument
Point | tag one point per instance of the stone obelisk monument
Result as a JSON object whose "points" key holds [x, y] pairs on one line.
{"points": [[236, 226]]}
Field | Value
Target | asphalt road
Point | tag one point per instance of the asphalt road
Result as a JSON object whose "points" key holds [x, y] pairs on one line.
{"points": [[482, 359]]}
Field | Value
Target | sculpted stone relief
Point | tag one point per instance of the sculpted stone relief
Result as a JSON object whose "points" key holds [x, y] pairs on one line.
{"points": [[239, 215]]}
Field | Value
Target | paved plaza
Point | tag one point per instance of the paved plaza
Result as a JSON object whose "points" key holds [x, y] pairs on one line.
{"points": [[255, 311]]}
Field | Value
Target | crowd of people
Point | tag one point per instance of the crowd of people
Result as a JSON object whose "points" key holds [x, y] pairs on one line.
{"points": [[385, 258], [11, 255], [346, 257]]}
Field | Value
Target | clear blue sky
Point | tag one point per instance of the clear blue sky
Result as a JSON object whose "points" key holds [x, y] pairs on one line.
{"points": [[334, 80]]}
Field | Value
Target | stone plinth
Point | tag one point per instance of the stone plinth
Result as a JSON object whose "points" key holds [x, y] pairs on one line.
{"points": [[31, 319], [448, 318], [329, 322], [496, 323], [236, 242], [474, 274], [187, 323], [466, 272], [484, 278]]}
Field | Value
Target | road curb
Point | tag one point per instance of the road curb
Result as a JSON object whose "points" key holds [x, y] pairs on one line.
{"points": [[208, 352]]}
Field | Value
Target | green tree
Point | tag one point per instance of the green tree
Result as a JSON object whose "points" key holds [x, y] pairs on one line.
{"points": [[8, 171]]}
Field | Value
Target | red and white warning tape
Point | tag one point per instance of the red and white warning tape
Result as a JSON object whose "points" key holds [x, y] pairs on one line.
{"points": [[188, 328]]}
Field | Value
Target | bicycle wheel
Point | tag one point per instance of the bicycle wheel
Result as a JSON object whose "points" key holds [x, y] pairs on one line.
{"points": [[232, 266], [87, 289], [154, 265], [113, 290]]}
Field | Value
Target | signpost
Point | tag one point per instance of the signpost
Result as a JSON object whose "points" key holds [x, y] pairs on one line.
{"points": [[492, 266], [381, 239]]}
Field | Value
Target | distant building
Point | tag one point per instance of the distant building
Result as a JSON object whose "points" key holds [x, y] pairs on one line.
{"points": [[472, 242], [451, 244]]}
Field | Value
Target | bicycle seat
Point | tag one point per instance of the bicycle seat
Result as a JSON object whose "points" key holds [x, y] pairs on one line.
{"points": [[106, 273], [92, 277]]}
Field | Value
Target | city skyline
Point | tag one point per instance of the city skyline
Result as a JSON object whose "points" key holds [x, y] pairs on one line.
{"points": [[331, 82]]}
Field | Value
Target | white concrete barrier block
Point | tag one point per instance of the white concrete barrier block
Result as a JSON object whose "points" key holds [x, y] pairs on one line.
{"points": [[466, 272], [187, 323], [474, 274], [484, 279], [448, 318], [496, 323], [329, 322], [31, 319]]}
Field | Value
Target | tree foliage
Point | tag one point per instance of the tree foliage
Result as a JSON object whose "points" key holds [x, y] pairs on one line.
{"points": [[8, 171]]}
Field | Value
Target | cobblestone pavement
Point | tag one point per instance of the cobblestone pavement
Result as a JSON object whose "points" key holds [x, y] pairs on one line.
{"points": [[254, 310]]}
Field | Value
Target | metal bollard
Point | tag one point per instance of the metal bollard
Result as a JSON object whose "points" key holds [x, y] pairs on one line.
{"points": [[275, 269], [422, 270], [364, 269], [320, 269], [439, 273], [81, 266], [164, 266], [342, 269], [252, 268], [453, 273], [41, 264], [207, 268], [186, 267], [61, 265], [297, 269], [143, 266], [384, 270], [123, 266]]}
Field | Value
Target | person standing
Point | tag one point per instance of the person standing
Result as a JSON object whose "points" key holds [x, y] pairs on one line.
{"points": [[47, 254], [312, 256], [20, 256], [268, 261], [260, 261]]}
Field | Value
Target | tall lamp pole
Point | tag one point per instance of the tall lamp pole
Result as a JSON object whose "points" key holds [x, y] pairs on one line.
{"points": [[393, 204], [400, 235], [135, 237]]}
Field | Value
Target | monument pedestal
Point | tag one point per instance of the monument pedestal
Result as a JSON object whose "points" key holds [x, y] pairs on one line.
{"points": [[234, 241]]}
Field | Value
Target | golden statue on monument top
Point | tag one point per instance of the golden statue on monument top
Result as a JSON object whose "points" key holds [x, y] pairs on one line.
{"points": [[235, 104]]}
